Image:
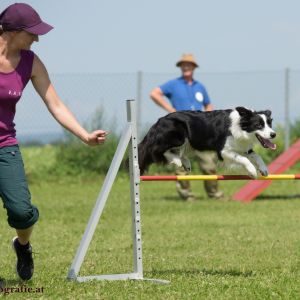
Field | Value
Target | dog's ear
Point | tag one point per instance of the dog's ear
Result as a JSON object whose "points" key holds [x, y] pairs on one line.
{"points": [[243, 111], [266, 112]]}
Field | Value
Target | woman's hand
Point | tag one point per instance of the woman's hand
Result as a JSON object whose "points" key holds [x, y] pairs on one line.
{"points": [[96, 137]]}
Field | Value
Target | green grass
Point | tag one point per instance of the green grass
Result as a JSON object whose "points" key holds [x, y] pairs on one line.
{"points": [[207, 249]]}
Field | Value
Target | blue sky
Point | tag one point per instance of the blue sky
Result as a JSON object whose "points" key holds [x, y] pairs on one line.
{"points": [[228, 38], [127, 36]]}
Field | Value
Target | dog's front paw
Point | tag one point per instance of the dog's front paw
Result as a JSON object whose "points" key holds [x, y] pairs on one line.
{"points": [[264, 172], [252, 172]]}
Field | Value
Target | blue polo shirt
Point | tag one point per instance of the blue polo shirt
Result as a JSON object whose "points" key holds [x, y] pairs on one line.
{"points": [[184, 96]]}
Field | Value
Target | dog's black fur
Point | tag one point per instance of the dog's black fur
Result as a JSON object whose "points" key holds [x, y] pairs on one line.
{"points": [[202, 130]]}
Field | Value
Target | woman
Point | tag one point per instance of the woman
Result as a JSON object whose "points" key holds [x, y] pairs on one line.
{"points": [[20, 26]]}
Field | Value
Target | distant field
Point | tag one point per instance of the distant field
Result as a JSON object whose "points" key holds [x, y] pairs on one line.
{"points": [[207, 249]]}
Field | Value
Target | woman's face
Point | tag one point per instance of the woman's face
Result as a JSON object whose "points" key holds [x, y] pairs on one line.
{"points": [[24, 39]]}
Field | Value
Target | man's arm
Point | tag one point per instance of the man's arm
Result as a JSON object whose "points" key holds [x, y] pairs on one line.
{"points": [[158, 97], [208, 107], [206, 101]]}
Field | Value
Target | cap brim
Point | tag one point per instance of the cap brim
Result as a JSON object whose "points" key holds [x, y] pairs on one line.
{"points": [[39, 29], [182, 61]]}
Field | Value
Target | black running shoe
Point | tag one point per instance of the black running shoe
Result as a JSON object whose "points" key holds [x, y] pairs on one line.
{"points": [[25, 264]]}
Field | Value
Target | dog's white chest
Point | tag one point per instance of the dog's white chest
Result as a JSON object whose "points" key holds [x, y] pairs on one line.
{"points": [[238, 145]]}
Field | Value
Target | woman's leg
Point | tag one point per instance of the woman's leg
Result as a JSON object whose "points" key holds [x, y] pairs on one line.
{"points": [[22, 215], [24, 235]]}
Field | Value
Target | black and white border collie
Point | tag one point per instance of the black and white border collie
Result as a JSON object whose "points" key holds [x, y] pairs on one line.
{"points": [[231, 133]]}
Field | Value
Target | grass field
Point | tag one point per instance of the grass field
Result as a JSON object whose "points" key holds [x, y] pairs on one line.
{"points": [[207, 249]]}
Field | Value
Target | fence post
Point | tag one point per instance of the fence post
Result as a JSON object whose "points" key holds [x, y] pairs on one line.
{"points": [[287, 108]]}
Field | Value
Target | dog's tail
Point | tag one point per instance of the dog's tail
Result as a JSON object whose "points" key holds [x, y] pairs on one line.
{"points": [[144, 155]]}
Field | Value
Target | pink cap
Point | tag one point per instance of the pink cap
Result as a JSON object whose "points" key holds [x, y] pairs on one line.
{"points": [[21, 16]]}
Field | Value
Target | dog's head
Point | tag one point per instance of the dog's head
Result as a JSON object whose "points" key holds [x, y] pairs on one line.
{"points": [[258, 123]]}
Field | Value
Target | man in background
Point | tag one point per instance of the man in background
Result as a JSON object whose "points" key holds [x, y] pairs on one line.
{"points": [[186, 93]]}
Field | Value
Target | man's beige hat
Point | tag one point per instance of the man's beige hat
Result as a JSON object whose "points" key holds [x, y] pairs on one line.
{"points": [[187, 58]]}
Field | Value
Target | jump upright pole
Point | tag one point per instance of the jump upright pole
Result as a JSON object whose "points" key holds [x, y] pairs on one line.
{"points": [[128, 140]]}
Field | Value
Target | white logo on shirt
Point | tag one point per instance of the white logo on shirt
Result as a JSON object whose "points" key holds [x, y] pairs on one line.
{"points": [[14, 93], [199, 97]]}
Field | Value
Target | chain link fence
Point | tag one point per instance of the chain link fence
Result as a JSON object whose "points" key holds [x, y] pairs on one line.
{"points": [[84, 94]]}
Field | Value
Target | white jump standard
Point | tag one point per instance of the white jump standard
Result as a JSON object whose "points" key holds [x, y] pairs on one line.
{"points": [[128, 138]]}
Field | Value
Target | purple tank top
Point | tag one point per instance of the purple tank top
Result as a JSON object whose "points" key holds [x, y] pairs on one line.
{"points": [[12, 85]]}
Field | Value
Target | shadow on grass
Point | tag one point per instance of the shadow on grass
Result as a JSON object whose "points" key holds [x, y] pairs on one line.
{"points": [[278, 197], [230, 199], [178, 199], [233, 273]]}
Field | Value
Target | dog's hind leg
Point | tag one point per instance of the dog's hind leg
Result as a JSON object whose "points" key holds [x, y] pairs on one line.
{"points": [[173, 158], [185, 161], [176, 156], [186, 164], [186, 147]]}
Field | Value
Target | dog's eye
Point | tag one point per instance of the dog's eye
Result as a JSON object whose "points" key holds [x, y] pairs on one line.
{"points": [[260, 126]]}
